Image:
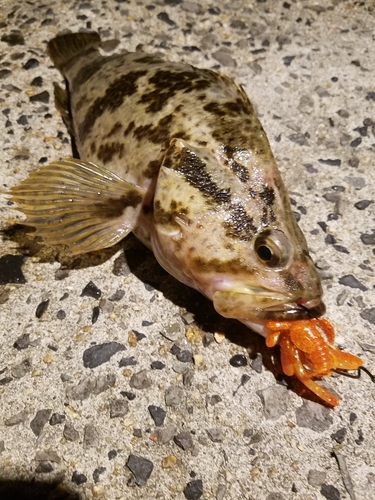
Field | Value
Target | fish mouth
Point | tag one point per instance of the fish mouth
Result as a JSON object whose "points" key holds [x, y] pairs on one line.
{"points": [[293, 311], [263, 306]]}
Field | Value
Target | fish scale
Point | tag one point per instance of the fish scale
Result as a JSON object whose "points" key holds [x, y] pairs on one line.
{"points": [[177, 155]]}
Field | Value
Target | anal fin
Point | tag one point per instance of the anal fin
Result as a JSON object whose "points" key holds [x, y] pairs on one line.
{"points": [[79, 204]]}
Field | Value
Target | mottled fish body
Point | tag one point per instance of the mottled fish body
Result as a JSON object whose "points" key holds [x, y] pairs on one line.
{"points": [[177, 155]]}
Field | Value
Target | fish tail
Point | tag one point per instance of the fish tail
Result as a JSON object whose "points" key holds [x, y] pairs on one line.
{"points": [[64, 48]]}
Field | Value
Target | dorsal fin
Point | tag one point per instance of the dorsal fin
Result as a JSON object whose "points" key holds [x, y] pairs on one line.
{"points": [[64, 48]]}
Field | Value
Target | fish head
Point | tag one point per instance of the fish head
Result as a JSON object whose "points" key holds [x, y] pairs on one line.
{"points": [[223, 225]]}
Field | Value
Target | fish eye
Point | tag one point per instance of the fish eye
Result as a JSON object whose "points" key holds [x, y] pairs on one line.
{"points": [[272, 248]]}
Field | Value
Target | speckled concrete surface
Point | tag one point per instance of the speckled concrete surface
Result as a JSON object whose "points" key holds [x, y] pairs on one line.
{"points": [[166, 415]]}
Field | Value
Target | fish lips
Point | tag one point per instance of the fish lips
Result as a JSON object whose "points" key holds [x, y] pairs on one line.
{"points": [[266, 307]]}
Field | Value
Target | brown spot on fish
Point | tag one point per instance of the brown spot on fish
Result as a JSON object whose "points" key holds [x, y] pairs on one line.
{"points": [[148, 59], [194, 170], [88, 71], [234, 266], [239, 224], [241, 172], [202, 143], [166, 84], [215, 108], [268, 196], [291, 283], [116, 128], [107, 151], [114, 207], [158, 134], [166, 217], [124, 86], [93, 147], [152, 168], [129, 128]]}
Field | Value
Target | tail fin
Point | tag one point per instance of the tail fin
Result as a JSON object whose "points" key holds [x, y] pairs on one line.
{"points": [[64, 48]]}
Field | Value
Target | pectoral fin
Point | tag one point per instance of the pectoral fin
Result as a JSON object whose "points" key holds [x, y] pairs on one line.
{"points": [[79, 204]]}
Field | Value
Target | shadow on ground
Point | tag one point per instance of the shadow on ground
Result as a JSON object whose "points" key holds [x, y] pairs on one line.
{"points": [[35, 490]]}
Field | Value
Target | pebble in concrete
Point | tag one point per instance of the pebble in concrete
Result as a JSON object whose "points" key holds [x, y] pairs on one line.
{"points": [[141, 468], [98, 354]]}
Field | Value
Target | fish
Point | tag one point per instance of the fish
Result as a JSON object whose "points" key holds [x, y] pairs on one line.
{"points": [[176, 155]]}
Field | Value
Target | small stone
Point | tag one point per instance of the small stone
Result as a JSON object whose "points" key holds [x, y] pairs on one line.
{"points": [[31, 64], [91, 436], [41, 308], [221, 492], [356, 142], [56, 419], [10, 269], [61, 314], [43, 468], [163, 16], [166, 434], [299, 139], [368, 315], [316, 477], [169, 462], [157, 365], [2, 447], [363, 204], [257, 363], [275, 496], [187, 377], [112, 454], [173, 396], [352, 282], [37, 82], [129, 395], [216, 434], [130, 361], [39, 421], [193, 490], [158, 414], [91, 290], [118, 408], [41, 97], [97, 472], [140, 380], [198, 359], [106, 306], [172, 332], [118, 295], [219, 337], [120, 266], [91, 385], [238, 360], [22, 342], [223, 58], [141, 468], [367, 239], [184, 440], [214, 399], [78, 478], [98, 354], [339, 435], [95, 314], [16, 419], [185, 356], [14, 38], [21, 369], [330, 492], [275, 401], [188, 318], [47, 456], [70, 433], [314, 416], [329, 162]]}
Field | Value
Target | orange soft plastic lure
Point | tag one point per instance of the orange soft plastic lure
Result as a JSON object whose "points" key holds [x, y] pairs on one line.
{"points": [[307, 351]]}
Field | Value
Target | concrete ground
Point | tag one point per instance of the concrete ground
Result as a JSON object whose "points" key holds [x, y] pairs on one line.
{"points": [[115, 380]]}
